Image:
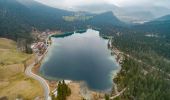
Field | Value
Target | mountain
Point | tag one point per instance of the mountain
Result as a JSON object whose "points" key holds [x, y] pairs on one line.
{"points": [[43, 9], [12, 17], [107, 18], [141, 14], [19, 16], [130, 14], [134, 16], [159, 26], [164, 18]]}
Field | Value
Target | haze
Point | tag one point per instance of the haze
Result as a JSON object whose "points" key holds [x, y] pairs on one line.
{"points": [[67, 4]]}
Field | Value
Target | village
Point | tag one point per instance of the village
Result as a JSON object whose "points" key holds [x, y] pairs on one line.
{"points": [[41, 41]]}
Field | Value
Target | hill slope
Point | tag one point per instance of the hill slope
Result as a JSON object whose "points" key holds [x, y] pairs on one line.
{"points": [[159, 26], [17, 18], [107, 18], [12, 74]]}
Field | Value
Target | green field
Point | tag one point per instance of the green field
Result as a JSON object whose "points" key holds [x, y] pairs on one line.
{"points": [[76, 18]]}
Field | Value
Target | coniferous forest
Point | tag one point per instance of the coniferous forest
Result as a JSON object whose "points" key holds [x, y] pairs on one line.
{"points": [[145, 73]]}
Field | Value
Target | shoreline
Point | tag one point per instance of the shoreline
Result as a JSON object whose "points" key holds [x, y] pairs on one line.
{"points": [[119, 58], [30, 72], [52, 84]]}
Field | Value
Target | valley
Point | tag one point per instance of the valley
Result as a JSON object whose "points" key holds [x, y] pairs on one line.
{"points": [[101, 54]]}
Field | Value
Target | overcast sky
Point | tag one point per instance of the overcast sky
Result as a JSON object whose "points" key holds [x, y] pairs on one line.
{"points": [[65, 4]]}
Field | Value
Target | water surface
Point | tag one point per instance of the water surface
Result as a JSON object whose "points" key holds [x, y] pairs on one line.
{"points": [[81, 57]]}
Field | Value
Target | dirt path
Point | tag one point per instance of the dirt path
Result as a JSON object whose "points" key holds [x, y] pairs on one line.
{"points": [[118, 94]]}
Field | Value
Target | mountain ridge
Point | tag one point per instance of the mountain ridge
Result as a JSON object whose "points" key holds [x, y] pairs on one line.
{"points": [[25, 15]]}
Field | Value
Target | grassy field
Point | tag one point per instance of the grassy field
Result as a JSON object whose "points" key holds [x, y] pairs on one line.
{"points": [[76, 18], [9, 54], [13, 82]]}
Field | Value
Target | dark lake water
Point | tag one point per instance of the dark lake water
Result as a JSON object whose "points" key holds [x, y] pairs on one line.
{"points": [[81, 57]]}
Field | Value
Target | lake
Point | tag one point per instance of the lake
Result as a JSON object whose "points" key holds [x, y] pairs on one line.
{"points": [[80, 57]]}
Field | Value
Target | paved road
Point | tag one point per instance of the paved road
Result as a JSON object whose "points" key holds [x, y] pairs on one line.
{"points": [[42, 81]]}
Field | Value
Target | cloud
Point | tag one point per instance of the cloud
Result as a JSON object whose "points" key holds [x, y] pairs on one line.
{"points": [[70, 4], [66, 4], [125, 3]]}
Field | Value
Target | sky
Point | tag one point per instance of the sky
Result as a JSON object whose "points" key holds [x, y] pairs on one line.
{"points": [[65, 4]]}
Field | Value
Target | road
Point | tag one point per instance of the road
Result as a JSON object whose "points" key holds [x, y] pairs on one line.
{"points": [[42, 81]]}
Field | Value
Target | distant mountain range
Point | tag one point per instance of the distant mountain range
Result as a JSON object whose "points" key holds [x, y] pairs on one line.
{"points": [[141, 14], [19, 17], [164, 18], [107, 18], [159, 26], [135, 14]]}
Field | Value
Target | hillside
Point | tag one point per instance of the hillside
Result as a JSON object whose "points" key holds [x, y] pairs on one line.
{"points": [[158, 26], [145, 70], [17, 18], [12, 21], [13, 82], [107, 18], [164, 18]]}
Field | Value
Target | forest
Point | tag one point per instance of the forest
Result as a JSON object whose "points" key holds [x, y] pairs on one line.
{"points": [[145, 72], [141, 83]]}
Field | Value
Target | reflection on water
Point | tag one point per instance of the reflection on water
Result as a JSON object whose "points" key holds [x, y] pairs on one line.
{"points": [[81, 57]]}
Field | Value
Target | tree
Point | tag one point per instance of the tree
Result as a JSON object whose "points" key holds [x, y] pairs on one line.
{"points": [[62, 91], [107, 97]]}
